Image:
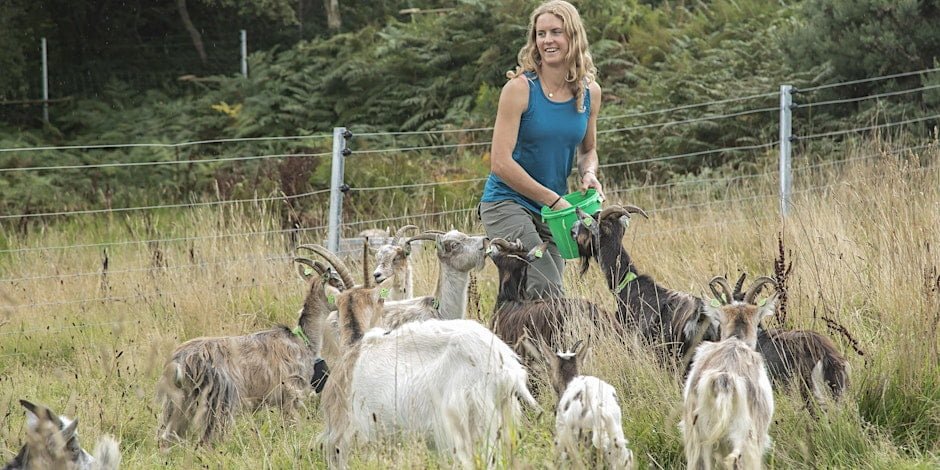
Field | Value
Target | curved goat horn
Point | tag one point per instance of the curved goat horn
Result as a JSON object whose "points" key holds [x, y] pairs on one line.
{"points": [[401, 232], [574, 349], [423, 236], [622, 210], [724, 295], [502, 244], [338, 264], [616, 211], [756, 287], [317, 266], [738, 293]]}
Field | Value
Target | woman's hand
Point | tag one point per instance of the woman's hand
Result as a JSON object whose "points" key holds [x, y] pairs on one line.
{"points": [[589, 180], [561, 204]]}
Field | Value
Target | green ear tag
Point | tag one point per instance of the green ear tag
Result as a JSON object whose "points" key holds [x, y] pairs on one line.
{"points": [[491, 250], [384, 293], [308, 271], [715, 303], [538, 253], [762, 302], [588, 221], [331, 299]]}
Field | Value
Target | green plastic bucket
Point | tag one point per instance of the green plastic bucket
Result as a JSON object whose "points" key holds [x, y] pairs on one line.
{"points": [[560, 222]]}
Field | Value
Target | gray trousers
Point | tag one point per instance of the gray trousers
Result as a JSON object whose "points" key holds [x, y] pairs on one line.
{"points": [[510, 221]]}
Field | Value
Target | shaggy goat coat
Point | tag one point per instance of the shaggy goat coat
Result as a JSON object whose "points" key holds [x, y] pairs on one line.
{"points": [[450, 382], [729, 402], [672, 322], [207, 380], [589, 407]]}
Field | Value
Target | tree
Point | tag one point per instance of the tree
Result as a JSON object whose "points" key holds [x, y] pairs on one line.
{"points": [[867, 38]]}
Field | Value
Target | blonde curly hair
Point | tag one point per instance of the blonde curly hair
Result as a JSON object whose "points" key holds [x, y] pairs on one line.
{"points": [[581, 70]]}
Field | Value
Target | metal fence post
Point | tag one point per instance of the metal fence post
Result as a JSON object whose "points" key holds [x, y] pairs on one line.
{"points": [[244, 48], [786, 135], [337, 187], [45, 84]]}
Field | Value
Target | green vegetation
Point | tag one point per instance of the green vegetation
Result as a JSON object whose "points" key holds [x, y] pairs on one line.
{"points": [[863, 236], [861, 246], [386, 71]]}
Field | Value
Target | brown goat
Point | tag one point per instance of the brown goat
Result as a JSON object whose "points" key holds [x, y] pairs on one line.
{"points": [[517, 316], [207, 380]]}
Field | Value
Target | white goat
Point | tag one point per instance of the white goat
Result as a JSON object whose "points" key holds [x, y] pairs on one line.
{"points": [[207, 380], [458, 254], [729, 402], [52, 442], [452, 383], [587, 409], [393, 264]]}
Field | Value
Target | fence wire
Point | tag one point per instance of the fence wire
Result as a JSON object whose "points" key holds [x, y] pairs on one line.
{"points": [[861, 129], [162, 145], [867, 80]]}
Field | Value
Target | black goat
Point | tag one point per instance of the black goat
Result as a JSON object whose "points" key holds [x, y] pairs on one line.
{"points": [[671, 321]]}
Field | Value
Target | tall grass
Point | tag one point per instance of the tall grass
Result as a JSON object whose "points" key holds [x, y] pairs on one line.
{"points": [[864, 240]]}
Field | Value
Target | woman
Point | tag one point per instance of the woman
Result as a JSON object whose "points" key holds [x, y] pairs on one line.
{"points": [[547, 116]]}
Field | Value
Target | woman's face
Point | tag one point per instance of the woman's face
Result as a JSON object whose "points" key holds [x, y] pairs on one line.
{"points": [[550, 39]]}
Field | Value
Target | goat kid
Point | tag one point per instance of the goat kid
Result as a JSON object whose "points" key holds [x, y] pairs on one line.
{"points": [[52, 442], [673, 322], [729, 402], [207, 380], [587, 409], [450, 382]]}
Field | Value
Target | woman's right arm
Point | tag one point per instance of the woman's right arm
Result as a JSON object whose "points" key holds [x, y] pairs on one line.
{"points": [[513, 101]]}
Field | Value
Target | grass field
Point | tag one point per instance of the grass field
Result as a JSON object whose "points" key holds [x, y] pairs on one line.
{"points": [[863, 239]]}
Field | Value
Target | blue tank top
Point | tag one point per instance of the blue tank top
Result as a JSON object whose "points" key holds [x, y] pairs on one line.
{"points": [[549, 136]]}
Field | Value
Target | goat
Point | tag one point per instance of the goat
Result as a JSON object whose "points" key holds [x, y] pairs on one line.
{"points": [[450, 382], [52, 442], [393, 264], [803, 358], [676, 321], [517, 316], [208, 379], [728, 398], [392, 314], [587, 407], [458, 254]]}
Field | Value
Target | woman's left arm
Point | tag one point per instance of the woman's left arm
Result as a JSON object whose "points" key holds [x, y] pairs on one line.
{"points": [[587, 154]]}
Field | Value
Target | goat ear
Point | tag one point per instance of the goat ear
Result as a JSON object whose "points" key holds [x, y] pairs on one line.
{"points": [[32, 414], [526, 343], [69, 432], [625, 221], [538, 251], [712, 311], [766, 307]]}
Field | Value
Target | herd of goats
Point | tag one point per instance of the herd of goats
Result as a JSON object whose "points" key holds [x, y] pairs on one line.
{"points": [[386, 364]]}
